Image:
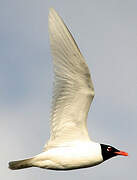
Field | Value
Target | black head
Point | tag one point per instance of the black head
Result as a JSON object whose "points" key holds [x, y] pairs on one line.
{"points": [[109, 152]]}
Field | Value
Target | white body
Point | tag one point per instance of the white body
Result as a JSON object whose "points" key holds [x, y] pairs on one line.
{"points": [[80, 155]]}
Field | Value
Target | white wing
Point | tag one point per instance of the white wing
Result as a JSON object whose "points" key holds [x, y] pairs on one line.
{"points": [[73, 89]]}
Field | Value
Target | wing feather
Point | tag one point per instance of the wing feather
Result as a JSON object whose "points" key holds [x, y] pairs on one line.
{"points": [[73, 89]]}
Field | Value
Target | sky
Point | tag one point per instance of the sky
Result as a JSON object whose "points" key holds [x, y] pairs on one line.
{"points": [[106, 33]]}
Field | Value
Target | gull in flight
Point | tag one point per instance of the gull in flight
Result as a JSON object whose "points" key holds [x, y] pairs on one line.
{"points": [[69, 146]]}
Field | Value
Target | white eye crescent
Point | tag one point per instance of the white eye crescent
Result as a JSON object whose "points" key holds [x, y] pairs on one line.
{"points": [[109, 149]]}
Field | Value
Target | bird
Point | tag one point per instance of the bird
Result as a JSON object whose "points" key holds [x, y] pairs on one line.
{"points": [[69, 146]]}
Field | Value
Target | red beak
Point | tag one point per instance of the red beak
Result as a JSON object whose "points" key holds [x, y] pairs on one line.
{"points": [[121, 153]]}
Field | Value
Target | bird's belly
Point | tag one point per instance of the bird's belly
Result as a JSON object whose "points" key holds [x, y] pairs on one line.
{"points": [[69, 158]]}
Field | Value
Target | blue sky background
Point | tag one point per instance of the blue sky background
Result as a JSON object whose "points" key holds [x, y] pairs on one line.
{"points": [[106, 33]]}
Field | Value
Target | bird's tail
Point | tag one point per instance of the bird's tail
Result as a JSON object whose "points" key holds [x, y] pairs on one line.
{"points": [[21, 164]]}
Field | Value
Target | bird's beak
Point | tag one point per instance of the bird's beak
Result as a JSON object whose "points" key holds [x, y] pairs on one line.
{"points": [[122, 153]]}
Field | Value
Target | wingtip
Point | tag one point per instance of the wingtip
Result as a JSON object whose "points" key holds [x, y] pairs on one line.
{"points": [[52, 13], [51, 10], [53, 16]]}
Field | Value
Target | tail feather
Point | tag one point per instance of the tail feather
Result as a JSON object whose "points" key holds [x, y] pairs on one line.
{"points": [[21, 164]]}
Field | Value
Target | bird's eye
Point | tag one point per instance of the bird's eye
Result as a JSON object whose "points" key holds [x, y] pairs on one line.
{"points": [[109, 149]]}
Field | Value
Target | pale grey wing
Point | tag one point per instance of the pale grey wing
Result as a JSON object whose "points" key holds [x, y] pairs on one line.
{"points": [[73, 89]]}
